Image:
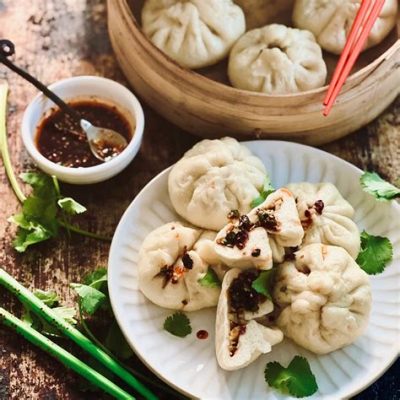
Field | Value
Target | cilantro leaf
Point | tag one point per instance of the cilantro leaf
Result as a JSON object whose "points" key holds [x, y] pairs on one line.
{"points": [[67, 313], [297, 379], [48, 297], [116, 343], [266, 191], [27, 237], [178, 324], [42, 184], [71, 206], [90, 299], [376, 253], [96, 278], [210, 279], [263, 284], [373, 184], [43, 212], [37, 222], [51, 299]]}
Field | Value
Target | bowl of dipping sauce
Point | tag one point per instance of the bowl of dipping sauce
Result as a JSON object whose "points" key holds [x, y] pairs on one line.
{"points": [[59, 146]]}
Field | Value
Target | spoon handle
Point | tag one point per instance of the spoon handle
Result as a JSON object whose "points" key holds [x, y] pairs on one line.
{"points": [[7, 49]]}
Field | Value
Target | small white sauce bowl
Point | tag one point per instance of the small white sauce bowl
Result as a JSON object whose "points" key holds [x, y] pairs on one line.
{"points": [[79, 88]]}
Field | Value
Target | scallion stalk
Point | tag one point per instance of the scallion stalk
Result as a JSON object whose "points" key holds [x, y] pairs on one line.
{"points": [[37, 306], [3, 144], [63, 356]]}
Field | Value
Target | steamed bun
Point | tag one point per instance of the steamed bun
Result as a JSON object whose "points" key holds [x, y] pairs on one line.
{"points": [[325, 298], [260, 237], [239, 338], [172, 259], [195, 33], [326, 216], [331, 20], [213, 178], [277, 60]]}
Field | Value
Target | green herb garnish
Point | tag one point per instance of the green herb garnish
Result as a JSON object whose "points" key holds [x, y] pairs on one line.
{"points": [[373, 184], [45, 210], [297, 379], [97, 278], [51, 300], [263, 284], [40, 309], [178, 324], [71, 206], [90, 299], [210, 279], [376, 253], [266, 191], [93, 299]]}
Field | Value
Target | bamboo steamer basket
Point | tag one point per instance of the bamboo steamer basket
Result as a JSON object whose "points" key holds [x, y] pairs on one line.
{"points": [[203, 103]]}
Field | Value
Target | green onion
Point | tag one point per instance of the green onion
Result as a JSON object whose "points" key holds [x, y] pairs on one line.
{"points": [[3, 144], [36, 305], [62, 355]]}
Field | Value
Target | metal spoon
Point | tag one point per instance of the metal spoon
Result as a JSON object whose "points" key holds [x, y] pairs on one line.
{"points": [[104, 143]]}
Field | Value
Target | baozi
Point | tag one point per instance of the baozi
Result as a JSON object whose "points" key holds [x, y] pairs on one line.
{"points": [[172, 260], [213, 178], [331, 20], [240, 338], [246, 240], [326, 216], [195, 33], [325, 298], [277, 60]]}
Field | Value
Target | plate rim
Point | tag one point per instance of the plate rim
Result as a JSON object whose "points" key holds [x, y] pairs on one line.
{"points": [[113, 297]]}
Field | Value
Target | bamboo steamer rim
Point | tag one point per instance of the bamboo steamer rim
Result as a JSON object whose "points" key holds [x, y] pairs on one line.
{"points": [[205, 84]]}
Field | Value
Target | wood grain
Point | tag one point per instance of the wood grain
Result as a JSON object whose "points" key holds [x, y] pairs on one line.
{"points": [[61, 38]]}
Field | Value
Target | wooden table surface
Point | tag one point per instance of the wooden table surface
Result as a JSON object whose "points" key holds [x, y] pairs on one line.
{"points": [[57, 39]]}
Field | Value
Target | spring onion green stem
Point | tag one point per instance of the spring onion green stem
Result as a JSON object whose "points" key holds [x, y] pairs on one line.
{"points": [[63, 356], [3, 144], [134, 372], [37, 306]]}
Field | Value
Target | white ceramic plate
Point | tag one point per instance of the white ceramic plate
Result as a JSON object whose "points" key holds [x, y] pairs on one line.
{"points": [[189, 364]]}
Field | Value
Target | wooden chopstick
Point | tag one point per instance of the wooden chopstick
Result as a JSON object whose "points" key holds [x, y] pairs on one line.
{"points": [[354, 49]]}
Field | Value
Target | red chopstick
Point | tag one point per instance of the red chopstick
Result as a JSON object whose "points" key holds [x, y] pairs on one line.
{"points": [[353, 48], [351, 40]]}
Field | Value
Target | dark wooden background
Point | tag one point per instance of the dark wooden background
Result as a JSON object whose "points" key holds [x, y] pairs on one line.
{"points": [[56, 39]]}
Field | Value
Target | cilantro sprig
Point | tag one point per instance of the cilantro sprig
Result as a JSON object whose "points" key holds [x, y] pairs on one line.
{"points": [[93, 292], [44, 212], [265, 192], [210, 279], [94, 304], [373, 184], [263, 284], [178, 324], [376, 253], [297, 379]]}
